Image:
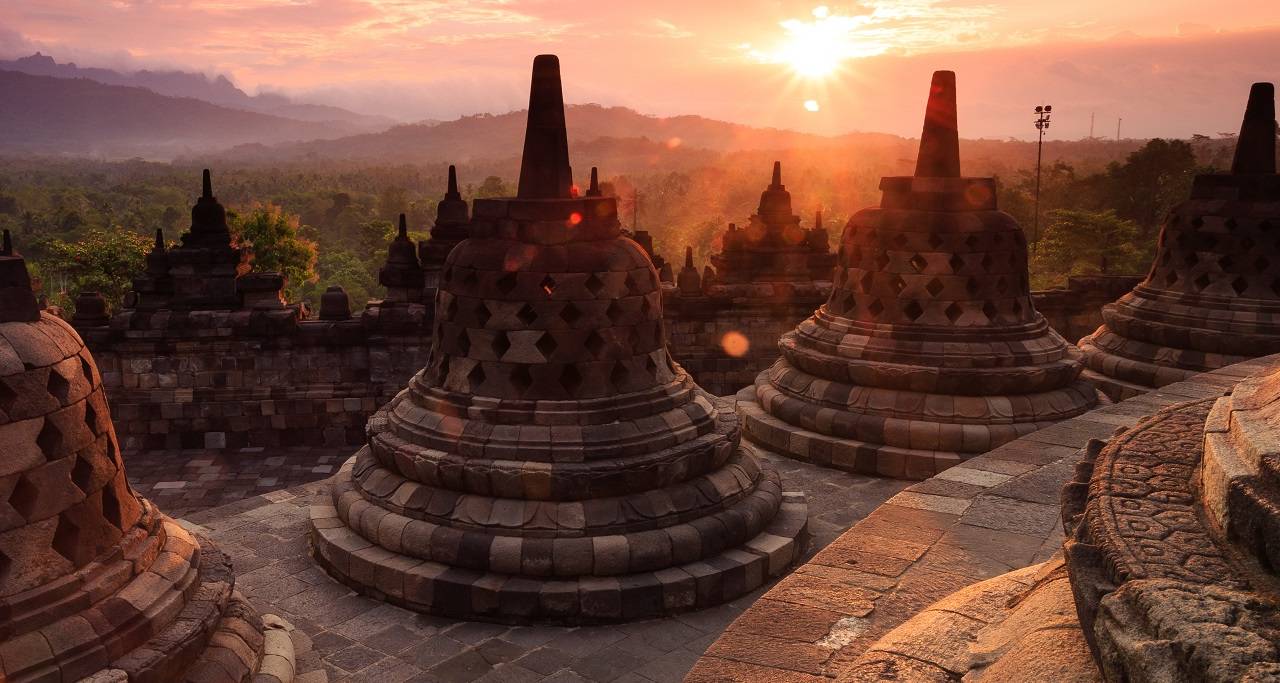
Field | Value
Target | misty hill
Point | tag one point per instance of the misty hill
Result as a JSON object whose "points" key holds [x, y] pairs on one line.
{"points": [[612, 130], [621, 140], [47, 115], [218, 90]]}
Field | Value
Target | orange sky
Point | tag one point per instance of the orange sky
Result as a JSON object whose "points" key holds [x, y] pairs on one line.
{"points": [[1168, 67]]}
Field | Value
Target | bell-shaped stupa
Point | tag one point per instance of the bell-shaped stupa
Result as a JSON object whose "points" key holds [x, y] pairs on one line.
{"points": [[202, 271], [929, 350], [94, 580], [551, 462], [401, 274], [1212, 297], [773, 247], [449, 229]]}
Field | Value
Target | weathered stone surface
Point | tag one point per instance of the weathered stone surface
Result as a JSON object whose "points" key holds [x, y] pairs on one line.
{"points": [[1159, 595]]}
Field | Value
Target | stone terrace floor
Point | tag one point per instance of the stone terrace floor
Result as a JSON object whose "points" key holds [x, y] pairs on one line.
{"points": [[254, 506]]}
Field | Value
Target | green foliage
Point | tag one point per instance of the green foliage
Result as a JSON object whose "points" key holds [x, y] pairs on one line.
{"points": [[1149, 182], [493, 187], [346, 210], [1087, 243], [1114, 213], [277, 243], [346, 269], [99, 260]]}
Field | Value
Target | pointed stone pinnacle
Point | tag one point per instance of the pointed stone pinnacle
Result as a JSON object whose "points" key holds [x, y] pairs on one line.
{"points": [[688, 257], [452, 192], [159, 239], [544, 169], [940, 138], [594, 189], [7, 248], [1256, 146], [404, 228], [208, 186], [777, 176], [817, 219]]}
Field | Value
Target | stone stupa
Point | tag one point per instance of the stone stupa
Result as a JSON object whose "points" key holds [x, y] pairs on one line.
{"points": [[929, 350], [1212, 297], [773, 247], [552, 462], [94, 580], [449, 229]]}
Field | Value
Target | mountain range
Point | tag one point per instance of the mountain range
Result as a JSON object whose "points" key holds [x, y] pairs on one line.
{"points": [[68, 110], [218, 90]]}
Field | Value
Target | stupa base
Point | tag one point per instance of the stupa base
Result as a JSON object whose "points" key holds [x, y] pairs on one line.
{"points": [[445, 590], [1121, 377], [782, 438]]}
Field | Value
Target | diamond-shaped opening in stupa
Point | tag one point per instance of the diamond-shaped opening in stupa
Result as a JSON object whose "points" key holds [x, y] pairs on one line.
{"points": [[58, 386], [546, 345]]}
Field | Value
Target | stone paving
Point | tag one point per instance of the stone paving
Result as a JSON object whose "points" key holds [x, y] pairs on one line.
{"points": [[341, 636], [185, 481], [985, 517]]}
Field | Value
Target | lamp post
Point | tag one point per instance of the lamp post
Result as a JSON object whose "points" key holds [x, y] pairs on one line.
{"points": [[1043, 112]]}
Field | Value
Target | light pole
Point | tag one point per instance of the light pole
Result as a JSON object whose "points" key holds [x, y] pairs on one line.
{"points": [[1043, 112]]}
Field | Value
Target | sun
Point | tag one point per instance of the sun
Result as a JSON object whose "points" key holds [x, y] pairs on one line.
{"points": [[816, 49]]}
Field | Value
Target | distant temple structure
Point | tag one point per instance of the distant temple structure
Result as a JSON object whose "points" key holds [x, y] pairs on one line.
{"points": [[551, 462], [773, 247], [449, 229], [95, 582], [206, 354], [1212, 297], [929, 349]]}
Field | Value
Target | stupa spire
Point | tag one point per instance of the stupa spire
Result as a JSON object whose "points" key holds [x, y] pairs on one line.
{"points": [[594, 189], [17, 300], [776, 183], [940, 138], [159, 245], [403, 230], [1256, 146], [452, 192], [544, 168], [207, 192]]}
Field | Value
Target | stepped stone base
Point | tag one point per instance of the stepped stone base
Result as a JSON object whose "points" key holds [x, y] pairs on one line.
{"points": [[1121, 377], [1116, 389], [850, 455], [859, 457], [448, 590]]}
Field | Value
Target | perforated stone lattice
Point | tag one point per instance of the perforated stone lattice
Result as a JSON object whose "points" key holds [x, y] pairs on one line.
{"points": [[929, 349], [532, 333], [1212, 296]]}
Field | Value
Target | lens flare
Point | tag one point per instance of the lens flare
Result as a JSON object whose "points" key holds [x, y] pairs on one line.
{"points": [[811, 105], [735, 344]]}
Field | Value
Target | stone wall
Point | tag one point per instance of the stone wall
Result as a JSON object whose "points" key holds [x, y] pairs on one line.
{"points": [[1076, 310], [728, 336], [314, 382]]}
